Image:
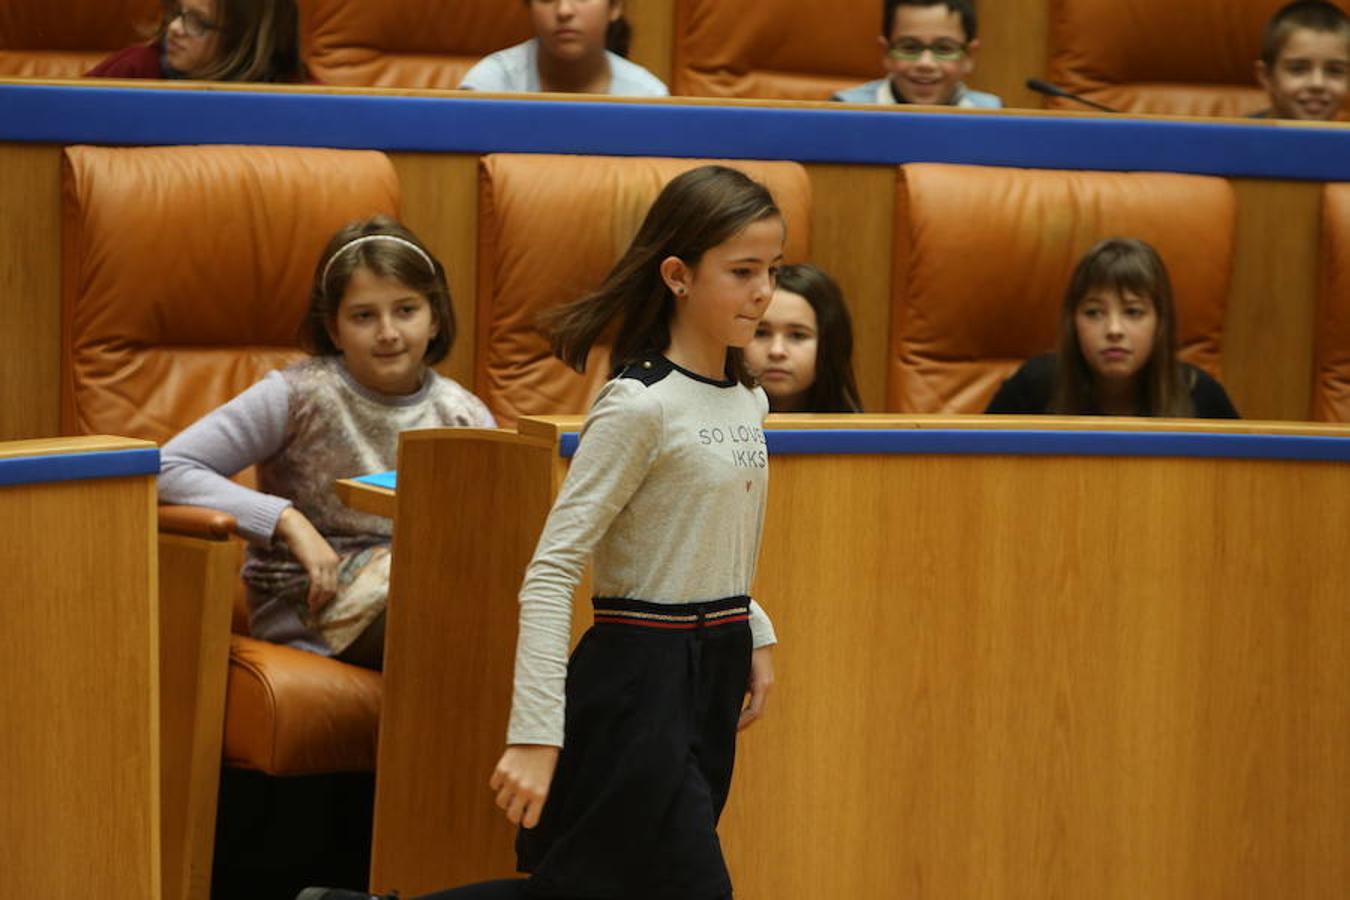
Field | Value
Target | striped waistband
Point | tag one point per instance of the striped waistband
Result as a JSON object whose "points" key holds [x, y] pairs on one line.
{"points": [[671, 616]]}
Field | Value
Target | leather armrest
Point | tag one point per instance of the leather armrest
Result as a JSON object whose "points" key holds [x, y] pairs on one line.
{"points": [[197, 521]]}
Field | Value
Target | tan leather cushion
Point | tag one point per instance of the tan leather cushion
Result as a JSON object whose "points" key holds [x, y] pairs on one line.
{"points": [[64, 40], [1160, 56], [289, 712], [533, 255], [1196, 100], [1331, 385], [186, 272], [982, 257], [774, 49], [406, 43]]}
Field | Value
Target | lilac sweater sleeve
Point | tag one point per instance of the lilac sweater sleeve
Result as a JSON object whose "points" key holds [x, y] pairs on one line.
{"points": [[196, 466]]}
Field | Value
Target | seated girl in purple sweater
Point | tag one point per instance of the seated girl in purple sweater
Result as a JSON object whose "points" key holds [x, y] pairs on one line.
{"points": [[317, 571]]}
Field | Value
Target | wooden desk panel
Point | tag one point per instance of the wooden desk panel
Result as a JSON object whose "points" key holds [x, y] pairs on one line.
{"points": [[1033, 677], [1000, 676], [451, 624], [80, 810]]}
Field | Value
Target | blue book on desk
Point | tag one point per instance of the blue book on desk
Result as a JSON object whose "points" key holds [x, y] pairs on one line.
{"points": [[387, 480]]}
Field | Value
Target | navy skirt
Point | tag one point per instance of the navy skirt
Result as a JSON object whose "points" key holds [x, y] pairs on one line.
{"points": [[654, 694]]}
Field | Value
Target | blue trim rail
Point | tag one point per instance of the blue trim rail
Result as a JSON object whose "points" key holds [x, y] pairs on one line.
{"points": [[455, 123], [986, 442], [78, 466]]}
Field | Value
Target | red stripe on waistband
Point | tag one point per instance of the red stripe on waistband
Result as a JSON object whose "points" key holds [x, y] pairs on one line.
{"points": [[677, 626]]}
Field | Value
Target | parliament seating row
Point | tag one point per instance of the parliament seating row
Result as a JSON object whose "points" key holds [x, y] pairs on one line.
{"points": [[1190, 58], [1149, 56], [231, 234], [980, 256]]}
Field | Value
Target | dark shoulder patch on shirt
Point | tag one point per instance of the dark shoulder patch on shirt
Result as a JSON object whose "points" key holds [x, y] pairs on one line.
{"points": [[648, 371]]}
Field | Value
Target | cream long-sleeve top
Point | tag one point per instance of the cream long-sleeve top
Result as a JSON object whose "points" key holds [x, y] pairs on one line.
{"points": [[666, 490]]}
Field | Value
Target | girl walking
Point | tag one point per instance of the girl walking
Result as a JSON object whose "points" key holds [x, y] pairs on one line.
{"points": [[619, 762]]}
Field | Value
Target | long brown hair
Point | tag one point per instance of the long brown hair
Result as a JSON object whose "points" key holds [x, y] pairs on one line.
{"points": [[835, 389], [694, 213], [259, 40], [392, 259], [1125, 265]]}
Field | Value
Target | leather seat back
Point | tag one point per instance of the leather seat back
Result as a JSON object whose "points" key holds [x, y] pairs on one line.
{"points": [[774, 49], [187, 271], [1159, 56], [549, 229], [406, 43], [65, 40]]}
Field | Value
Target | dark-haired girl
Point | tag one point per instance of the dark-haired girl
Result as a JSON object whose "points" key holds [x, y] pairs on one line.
{"points": [[216, 40], [317, 571], [1117, 352], [803, 348]]}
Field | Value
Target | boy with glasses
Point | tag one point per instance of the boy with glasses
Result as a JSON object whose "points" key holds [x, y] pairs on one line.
{"points": [[929, 49]]}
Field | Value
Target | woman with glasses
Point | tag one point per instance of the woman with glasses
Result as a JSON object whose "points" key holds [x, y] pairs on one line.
{"points": [[217, 40]]}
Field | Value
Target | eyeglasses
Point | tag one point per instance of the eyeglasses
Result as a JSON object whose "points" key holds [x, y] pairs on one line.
{"points": [[193, 23], [911, 50]]}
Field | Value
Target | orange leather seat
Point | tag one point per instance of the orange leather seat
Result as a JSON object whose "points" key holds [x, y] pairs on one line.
{"points": [[186, 276], [532, 257], [774, 49], [1331, 367], [982, 256], [291, 712], [1159, 56], [407, 44], [65, 40]]}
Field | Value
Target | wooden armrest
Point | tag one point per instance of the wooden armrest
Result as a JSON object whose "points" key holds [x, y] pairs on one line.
{"points": [[197, 521]]}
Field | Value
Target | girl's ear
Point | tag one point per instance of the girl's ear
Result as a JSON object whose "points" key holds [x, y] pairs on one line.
{"points": [[676, 275], [615, 10], [330, 325]]}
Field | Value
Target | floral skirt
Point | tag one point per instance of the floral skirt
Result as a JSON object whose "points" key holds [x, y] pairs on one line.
{"points": [[280, 611]]}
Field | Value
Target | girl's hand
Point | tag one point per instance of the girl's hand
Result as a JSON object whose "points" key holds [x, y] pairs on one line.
{"points": [[522, 779], [313, 552], [761, 682]]}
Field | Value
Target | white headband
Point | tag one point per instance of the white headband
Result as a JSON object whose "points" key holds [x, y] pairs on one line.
{"points": [[356, 242]]}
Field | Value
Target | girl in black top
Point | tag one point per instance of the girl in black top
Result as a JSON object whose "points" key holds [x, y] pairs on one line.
{"points": [[1117, 351]]}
